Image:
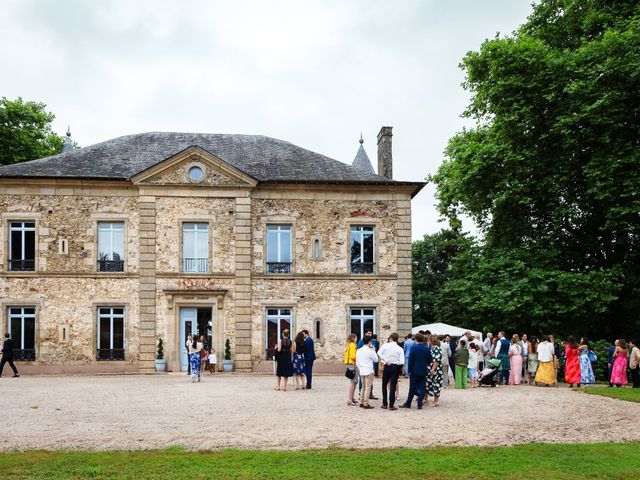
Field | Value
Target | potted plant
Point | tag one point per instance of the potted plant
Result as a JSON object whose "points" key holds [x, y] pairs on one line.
{"points": [[161, 364], [228, 363]]}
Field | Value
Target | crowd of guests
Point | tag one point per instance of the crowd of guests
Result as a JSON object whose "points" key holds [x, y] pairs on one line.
{"points": [[431, 362], [294, 359]]}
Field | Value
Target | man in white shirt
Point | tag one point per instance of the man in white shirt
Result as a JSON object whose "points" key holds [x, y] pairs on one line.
{"points": [[486, 347], [366, 356], [546, 373], [392, 358]]}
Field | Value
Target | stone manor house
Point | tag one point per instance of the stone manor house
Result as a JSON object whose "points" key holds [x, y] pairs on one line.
{"points": [[108, 248]]}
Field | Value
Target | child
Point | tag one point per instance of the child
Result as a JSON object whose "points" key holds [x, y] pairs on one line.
{"points": [[473, 364], [213, 359]]}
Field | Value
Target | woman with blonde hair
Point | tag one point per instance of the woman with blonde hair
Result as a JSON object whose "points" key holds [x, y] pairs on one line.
{"points": [[435, 376], [351, 372], [515, 358]]}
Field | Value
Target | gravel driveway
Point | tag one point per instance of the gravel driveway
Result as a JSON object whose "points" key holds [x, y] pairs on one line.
{"points": [[243, 411]]}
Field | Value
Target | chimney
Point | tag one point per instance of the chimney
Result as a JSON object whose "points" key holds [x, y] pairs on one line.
{"points": [[385, 157]]}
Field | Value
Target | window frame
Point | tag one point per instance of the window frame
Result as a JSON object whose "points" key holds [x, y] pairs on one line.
{"points": [[269, 352], [362, 317], [278, 267], [197, 259], [114, 267], [22, 316], [111, 316], [23, 229], [374, 229]]}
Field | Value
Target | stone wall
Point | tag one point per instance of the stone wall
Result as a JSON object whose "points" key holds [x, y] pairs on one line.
{"points": [[74, 218], [328, 300], [328, 220], [219, 213], [72, 302]]}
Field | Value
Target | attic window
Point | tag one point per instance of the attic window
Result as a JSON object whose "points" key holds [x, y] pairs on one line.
{"points": [[195, 174]]}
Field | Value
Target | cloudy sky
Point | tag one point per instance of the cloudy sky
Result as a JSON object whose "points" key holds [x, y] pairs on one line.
{"points": [[315, 73]]}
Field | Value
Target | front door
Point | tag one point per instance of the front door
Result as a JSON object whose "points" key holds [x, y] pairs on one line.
{"points": [[188, 326], [194, 321]]}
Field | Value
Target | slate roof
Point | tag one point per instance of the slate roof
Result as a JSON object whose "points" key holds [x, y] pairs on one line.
{"points": [[264, 158], [361, 161]]}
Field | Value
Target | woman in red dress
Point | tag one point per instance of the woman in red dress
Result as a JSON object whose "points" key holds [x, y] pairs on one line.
{"points": [[572, 362]]}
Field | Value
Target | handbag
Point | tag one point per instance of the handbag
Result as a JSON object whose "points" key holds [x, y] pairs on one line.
{"points": [[592, 357], [350, 373]]}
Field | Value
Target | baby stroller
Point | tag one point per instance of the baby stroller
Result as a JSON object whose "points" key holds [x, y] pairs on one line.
{"points": [[489, 376]]}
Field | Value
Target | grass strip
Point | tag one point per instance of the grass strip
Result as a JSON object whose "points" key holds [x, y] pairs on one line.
{"points": [[539, 461]]}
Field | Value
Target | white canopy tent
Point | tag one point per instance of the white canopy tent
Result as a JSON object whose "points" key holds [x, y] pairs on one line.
{"points": [[444, 329]]}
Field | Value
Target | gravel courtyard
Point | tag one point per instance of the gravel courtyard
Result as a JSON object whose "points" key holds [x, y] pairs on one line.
{"points": [[238, 411]]}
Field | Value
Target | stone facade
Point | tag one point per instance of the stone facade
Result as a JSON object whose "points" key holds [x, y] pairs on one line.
{"points": [[66, 288]]}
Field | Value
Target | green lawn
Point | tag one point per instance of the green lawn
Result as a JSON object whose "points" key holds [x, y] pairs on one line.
{"points": [[605, 461], [628, 394]]}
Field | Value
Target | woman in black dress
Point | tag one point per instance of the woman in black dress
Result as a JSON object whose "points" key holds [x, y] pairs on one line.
{"points": [[285, 364]]}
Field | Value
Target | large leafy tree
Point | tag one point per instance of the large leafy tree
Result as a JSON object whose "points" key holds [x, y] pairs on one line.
{"points": [[25, 131], [432, 268], [551, 171]]}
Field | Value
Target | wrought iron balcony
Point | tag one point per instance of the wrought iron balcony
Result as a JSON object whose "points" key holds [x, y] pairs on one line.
{"points": [[110, 354], [278, 267], [22, 265], [195, 265], [363, 267], [111, 265], [27, 355]]}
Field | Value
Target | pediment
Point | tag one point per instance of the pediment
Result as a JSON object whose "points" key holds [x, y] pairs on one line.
{"points": [[175, 171]]}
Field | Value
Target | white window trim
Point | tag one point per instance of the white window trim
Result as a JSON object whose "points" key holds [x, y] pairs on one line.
{"points": [[363, 318], [23, 230], [197, 234], [111, 317], [22, 316]]}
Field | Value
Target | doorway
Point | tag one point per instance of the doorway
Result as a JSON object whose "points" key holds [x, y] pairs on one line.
{"points": [[194, 321]]}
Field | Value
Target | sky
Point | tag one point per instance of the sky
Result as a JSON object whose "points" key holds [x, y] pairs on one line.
{"points": [[314, 73]]}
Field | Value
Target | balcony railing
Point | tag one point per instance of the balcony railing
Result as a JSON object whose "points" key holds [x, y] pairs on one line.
{"points": [[195, 265], [24, 355], [278, 267], [22, 265], [363, 267], [110, 354], [111, 265]]}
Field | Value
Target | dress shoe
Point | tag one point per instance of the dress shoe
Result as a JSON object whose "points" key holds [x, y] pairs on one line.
{"points": [[393, 408], [404, 406], [367, 407], [373, 398], [384, 406]]}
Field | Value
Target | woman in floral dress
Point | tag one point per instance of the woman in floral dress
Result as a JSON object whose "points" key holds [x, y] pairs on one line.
{"points": [[619, 370], [586, 370], [298, 361], [572, 362], [434, 380]]}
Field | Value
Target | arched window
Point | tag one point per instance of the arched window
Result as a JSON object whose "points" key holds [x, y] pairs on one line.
{"points": [[316, 249]]}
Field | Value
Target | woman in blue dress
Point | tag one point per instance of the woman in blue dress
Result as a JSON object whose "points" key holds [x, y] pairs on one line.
{"points": [[195, 359], [586, 370]]}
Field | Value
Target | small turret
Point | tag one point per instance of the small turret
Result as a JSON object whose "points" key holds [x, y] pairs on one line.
{"points": [[361, 161], [68, 143]]}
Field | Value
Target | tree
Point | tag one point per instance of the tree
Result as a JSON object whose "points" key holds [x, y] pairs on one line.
{"points": [[25, 132], [551, 171], [432, 257]]}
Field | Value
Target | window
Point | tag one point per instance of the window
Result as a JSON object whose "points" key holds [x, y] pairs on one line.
{"points": [[196, 174], [111, 246], [110, 333], [195, 247], [316, 249], [22, 330], [362, 320], [22, 246], [278, 248], [318, 328], [362, 249], [278, 320]]}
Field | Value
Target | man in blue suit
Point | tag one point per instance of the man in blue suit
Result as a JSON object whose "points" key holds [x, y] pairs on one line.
{"points": [[420, 360], [309, 357]]}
